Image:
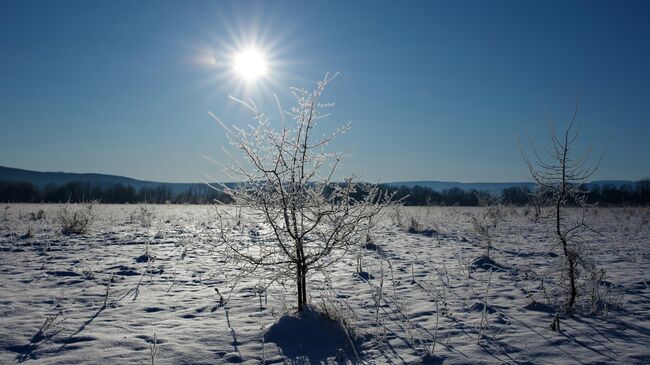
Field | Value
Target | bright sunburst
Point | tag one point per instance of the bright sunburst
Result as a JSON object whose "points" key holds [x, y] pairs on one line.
{"points": [[246, 61], [250, 64]]}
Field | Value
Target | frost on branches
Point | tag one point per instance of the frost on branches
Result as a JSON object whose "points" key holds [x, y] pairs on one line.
{"points": [[303, 220], [560, 176]]}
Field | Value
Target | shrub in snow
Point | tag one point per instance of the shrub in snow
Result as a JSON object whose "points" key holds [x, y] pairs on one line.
{"points": [[143, 215], [5, 213], [73, 219], [485, 222]]}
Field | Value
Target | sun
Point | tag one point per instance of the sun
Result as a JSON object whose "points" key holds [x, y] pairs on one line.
{"points": [[250, 64]]}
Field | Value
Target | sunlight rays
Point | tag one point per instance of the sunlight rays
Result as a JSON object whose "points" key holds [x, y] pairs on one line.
{"points": [[246, 57]]}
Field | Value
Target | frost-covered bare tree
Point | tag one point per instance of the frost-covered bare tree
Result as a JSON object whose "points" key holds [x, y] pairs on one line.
{"points": [[559, 173], [285, 181]]}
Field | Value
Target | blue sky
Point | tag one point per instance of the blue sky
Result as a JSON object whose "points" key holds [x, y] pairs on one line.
{"points": [[434, 90]]}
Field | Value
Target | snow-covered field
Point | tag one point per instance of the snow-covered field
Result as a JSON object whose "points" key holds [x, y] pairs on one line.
{"points": [[416, 293]]}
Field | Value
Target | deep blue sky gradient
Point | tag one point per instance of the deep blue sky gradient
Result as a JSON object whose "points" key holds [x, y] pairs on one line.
{"points": [[434, 90]]}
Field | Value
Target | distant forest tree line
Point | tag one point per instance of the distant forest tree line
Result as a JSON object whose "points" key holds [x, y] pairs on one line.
{"points": [[75, 192], [25, 192], [606, 195]]}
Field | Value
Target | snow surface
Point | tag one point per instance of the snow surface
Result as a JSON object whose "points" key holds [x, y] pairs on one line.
{"points": [[172, 279]]}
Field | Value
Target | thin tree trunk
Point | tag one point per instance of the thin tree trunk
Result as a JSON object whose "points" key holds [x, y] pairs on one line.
{"points": [[572, 275], [299, 275], [299, 286], [565, 247], [304, 284]]}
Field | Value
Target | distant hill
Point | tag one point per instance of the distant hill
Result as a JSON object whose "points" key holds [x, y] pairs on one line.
{"points": [[41, 179]]}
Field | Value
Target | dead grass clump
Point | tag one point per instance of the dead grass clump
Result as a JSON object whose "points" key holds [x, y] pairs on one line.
{"points": [[143, 215], [74, 219], [5, 213], [40, 215]]}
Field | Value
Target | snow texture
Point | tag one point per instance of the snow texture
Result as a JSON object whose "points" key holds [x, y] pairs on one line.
{"points": [[170, 277]]}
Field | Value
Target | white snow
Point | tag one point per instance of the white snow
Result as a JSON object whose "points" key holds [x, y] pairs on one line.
{"points": [[173, 295]]}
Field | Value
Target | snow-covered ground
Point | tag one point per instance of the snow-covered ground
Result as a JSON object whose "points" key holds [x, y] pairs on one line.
{"points": [[416, 293]]}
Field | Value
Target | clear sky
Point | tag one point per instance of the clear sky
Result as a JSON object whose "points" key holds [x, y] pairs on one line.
{"points": [[434, 90]]}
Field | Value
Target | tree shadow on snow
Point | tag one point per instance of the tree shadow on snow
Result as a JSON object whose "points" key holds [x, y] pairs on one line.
{"points": [[487, 263], [311, 338]]}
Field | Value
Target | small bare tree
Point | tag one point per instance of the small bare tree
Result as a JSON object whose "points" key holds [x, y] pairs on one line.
{"points": [[561, 174], [284, 179]]}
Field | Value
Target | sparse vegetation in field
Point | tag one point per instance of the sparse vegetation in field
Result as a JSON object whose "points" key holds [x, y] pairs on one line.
{"points": [[411, 296], [75, 219], [486, 221], [5, 212]]}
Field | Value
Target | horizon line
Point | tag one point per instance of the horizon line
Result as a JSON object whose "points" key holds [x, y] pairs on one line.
{"points": [[226, 182]]}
